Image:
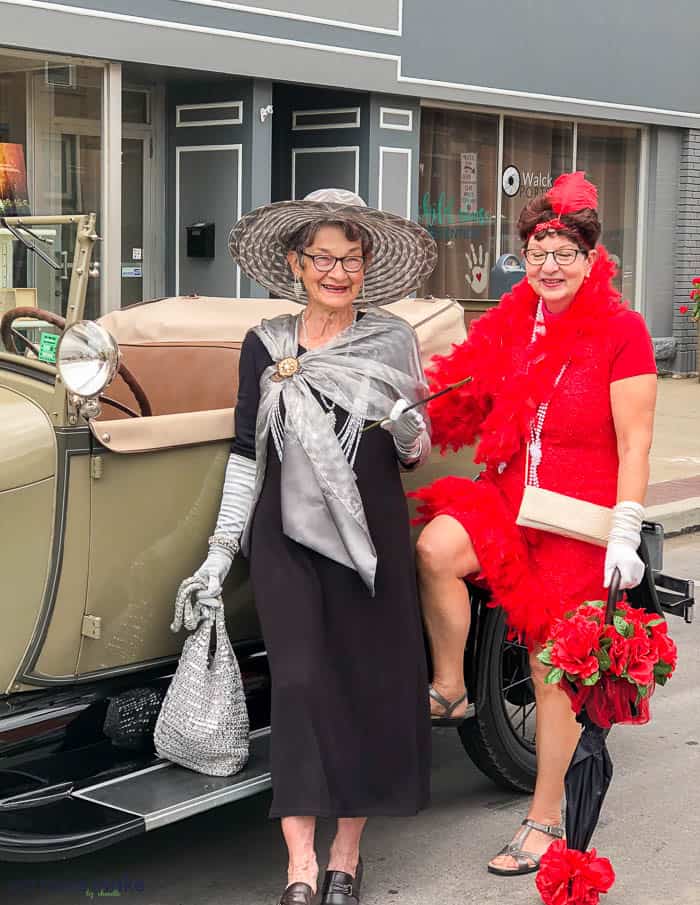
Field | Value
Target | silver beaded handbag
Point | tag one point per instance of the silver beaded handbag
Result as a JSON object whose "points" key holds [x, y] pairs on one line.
{"points": [[203, 723]]}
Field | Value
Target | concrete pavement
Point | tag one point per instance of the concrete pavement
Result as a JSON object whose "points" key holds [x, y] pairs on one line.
{"points": [[674, 492]]}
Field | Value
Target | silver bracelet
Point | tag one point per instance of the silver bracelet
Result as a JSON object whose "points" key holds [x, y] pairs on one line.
{"points": [[226, 541], [414, 451]]}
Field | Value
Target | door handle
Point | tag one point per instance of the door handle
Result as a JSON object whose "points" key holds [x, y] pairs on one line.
{"points": [[64, 265]]}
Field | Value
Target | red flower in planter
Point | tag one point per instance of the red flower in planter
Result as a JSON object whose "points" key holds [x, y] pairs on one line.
{"points": [[683, 309], [696, 281], [570, 877]]}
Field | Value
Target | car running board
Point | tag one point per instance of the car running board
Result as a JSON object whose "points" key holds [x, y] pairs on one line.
{"points": [[62, 821], [166, 793]]}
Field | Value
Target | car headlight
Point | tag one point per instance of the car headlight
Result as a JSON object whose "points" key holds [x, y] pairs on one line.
{"points": [[87, 358]]}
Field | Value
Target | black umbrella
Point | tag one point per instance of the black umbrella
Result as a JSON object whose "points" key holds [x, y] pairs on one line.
{"points": [[587, 781], [590, 771]]}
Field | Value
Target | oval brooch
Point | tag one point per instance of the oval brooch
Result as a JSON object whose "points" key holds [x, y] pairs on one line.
{"points": [[286, 367]]}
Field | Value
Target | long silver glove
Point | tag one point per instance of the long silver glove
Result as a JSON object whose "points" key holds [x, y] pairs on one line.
{"points": [[623, 542], [236, 500], [410, 433]]}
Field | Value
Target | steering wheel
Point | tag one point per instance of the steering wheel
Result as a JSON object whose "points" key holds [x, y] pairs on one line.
{"points": [[10, 336]]}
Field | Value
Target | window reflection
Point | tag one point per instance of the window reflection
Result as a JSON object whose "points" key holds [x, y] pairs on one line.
{"points": [[610, 157], [458, 183]]}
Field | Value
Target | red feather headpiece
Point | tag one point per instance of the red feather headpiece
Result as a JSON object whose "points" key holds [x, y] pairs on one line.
{"points": [[572, 192]]}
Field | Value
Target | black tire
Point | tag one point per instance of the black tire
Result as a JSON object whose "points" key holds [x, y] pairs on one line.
{"points": [[500, 738]]}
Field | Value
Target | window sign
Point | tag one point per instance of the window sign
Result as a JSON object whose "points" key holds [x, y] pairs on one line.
{"points": [[47, 347]]}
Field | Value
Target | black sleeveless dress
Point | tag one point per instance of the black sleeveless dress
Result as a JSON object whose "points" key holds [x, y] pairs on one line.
{"points": [[350, 714]]}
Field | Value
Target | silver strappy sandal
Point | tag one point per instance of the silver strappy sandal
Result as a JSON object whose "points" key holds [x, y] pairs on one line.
{"points": [[448, 708], [528, 862]]}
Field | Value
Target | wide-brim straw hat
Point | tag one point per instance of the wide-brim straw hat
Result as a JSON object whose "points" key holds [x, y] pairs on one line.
{"points": [[403, 253]]}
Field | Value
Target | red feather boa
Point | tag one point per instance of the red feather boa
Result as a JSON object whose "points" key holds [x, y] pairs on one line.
{"points": [[510, 375]]}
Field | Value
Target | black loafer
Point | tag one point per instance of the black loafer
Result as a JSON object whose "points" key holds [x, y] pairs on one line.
{"points": [[340, 888], [297, 894]]}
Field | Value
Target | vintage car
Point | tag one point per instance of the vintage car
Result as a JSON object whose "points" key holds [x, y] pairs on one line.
{"points": [[107, 496]]}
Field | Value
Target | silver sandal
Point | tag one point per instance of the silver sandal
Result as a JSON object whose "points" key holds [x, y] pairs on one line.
{"points": [[528, 862], [448, 707]]}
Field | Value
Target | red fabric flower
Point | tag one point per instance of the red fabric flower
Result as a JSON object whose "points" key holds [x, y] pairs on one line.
{"points": [[577, 639], [683, 309], [570, 877], [665, 648], [634, 657]]}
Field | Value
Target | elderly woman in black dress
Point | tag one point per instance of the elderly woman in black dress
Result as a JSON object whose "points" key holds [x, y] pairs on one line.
{"points": [[318, 507]]}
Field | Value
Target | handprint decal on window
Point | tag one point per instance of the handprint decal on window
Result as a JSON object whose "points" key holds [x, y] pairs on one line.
{"points": [[477, 276]]}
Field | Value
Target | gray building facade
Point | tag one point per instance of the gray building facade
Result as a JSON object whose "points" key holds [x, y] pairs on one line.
{"points": [[170, 114]]}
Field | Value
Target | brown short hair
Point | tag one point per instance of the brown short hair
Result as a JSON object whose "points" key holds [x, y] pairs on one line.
{"points": [[305, 235], [582, 227]]}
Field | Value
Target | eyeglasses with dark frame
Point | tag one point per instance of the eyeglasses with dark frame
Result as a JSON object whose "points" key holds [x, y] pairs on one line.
{"points": [[326, 263], [563, 256]]}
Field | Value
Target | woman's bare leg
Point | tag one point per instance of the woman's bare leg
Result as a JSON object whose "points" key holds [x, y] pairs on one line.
{"points": [[557, 736], [299, 835], [345, 849], [444, 555]]}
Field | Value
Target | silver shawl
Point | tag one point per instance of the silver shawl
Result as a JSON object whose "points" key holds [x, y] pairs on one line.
{"points": [[363, 370]]}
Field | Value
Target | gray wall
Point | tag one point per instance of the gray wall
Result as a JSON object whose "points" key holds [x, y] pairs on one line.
{"points": [[210, 181], [631, 60], [393, 170], [287, 99]]}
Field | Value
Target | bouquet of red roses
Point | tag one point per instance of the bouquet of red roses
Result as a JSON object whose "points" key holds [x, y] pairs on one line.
{"points": [[608, 658], [612, 668]]}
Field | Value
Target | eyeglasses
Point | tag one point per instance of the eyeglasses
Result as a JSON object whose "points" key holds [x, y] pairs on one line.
{"points": [[562, 256], [326, 263]]}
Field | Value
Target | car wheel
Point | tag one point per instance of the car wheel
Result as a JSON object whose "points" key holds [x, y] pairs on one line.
{"points": [[500, 739]]}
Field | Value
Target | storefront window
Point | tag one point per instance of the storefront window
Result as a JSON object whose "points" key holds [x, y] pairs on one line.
{"points": [[458, 183], [50, 163], [610, 157], [535, 152]]}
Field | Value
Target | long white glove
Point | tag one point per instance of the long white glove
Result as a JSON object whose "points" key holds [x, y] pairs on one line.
{"points": [[236, 500], [410, 433], [623, 542]]}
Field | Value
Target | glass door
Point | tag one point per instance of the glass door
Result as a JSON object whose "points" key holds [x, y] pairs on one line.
{"points": [[133, 185], [66, 166]]}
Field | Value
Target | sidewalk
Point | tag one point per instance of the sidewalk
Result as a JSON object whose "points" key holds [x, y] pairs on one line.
{"points": [[674, 490]]}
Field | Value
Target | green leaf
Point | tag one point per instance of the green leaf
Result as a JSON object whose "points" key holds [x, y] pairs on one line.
{"points": [[554, 676], [621, 626], [604, 659], [600, 604], [591, 680], [659, 621], [642, 691], [545, 656]]}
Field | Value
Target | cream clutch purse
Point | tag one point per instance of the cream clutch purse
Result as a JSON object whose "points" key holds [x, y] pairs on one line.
{"points": [[565, 515]]}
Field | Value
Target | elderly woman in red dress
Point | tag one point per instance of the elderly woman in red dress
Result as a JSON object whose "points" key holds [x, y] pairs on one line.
{"points": [[564, 371]]}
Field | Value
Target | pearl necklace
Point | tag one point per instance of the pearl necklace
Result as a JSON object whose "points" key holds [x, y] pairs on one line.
{"points": [[535, 445]]}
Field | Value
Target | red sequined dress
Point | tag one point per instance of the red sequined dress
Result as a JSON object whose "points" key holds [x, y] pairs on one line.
{"points": [[536, 576]]}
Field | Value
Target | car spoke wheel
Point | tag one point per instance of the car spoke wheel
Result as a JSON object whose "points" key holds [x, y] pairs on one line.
{"points": [[501, 737]]}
